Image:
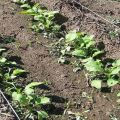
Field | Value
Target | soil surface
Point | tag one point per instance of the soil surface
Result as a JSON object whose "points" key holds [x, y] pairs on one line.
{"points": [[31, 51], [5, 112], [109, 9]]}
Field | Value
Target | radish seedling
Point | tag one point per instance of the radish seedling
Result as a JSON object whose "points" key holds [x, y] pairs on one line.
{"points": [[29, 102], [26, 100], [43, 19], [82, 48], [79, 45], [100, 73]]}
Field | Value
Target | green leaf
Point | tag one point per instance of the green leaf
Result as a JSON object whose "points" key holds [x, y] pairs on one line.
{"points": [[50, 14], [93, 66], [18, 72], [13, 63], [16, 1], [25, 6], [42, 115], [89, 44], [34, 84], [88, 40], [96, 84], [97, 53], [45, 100], [71, 36], [17, 96], [111, 82], [42, 100], [3, 60], [115, 71], [118, 95], [36, 6], [28, 91], [28, 12], [23, 1], [86, 60], [116, 63], [2, 49], [78, 53], [7, 76], [39, 17], [20, 1]]}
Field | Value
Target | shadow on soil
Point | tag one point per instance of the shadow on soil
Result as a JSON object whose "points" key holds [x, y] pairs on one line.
{"points": [[57, 99], [101, 46], [60, 19], [44, 87], [106, 90], [16, 59], [6, 39], [55, 108]]}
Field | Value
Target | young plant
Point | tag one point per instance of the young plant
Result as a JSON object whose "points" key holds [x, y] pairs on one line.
{"points": [[79, 45], [43, 19], [100, 73], [27, 101], [30, 103], [9, 70], [83, 49]]}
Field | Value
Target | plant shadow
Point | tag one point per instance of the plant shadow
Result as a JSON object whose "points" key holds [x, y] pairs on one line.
{"points": [[53, 109], [16, 59], [105, 90], [60, 19], [45, 87], [57, 99], [108, 61], [101, 46], [57, 106], [6, 39]]}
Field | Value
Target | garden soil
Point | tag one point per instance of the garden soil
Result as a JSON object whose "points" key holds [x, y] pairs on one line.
{"points": [[68, 91]]}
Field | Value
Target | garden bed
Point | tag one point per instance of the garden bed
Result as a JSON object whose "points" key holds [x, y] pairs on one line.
{"points": [[65, 86]]}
